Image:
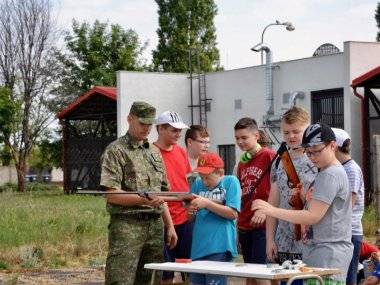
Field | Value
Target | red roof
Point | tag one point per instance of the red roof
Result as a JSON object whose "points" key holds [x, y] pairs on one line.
{"points": [[359, 81], [110, 92]]}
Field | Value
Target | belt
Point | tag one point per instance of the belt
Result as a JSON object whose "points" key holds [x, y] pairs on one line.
{"points": [[137, 216]]}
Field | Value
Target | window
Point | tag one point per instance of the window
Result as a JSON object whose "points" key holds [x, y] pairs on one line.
{"points": [[238, 104], [227, 153], [327, 106]]}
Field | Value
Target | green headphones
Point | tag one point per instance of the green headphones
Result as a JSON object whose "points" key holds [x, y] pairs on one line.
{"points": [[247, 156]]}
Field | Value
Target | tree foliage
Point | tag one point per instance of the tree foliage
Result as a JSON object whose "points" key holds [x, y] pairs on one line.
{"points": [[27, 69], [9, 111], [186, 25], [377, 17], [5, 155], [46, 155], [94, 54]]}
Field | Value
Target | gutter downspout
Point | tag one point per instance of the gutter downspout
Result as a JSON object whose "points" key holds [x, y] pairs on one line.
{"points": [[269, 80], [365, 147]]}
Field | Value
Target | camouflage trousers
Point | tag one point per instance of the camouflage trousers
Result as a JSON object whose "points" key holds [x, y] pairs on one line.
{"points": [[132, 243]]}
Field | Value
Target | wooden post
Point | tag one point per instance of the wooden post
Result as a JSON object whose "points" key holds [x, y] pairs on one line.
{"points": [[376, 140]]}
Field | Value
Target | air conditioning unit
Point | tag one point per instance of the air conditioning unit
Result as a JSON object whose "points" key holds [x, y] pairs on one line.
{"points": [[289, 99]]}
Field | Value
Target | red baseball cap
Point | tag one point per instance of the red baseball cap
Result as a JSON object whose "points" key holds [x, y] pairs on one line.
{"points": [[208, 162]]}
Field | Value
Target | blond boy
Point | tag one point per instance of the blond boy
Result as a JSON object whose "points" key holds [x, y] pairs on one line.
{"points": [[281, 243]]}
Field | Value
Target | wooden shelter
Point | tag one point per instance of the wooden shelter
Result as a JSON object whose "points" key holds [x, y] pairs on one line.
{"points": [[370, 109], [89, 125]]}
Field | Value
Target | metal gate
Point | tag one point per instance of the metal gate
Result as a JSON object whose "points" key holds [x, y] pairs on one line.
{"points": [[327, 106], [227, 153]]}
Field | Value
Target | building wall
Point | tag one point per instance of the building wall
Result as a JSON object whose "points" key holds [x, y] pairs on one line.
{"points": [[248, 84], [360, 57], [165, 91], [172, 91], [8, 174]]}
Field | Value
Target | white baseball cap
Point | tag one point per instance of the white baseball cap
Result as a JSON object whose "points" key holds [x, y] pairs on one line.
{"points": [[171, 118], [341, 136]]}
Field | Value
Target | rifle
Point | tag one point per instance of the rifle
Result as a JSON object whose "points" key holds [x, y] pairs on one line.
{"points": [[166, 196], [293, 181]]}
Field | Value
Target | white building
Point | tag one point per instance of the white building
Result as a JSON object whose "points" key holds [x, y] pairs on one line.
{"points": [[325, 81]]}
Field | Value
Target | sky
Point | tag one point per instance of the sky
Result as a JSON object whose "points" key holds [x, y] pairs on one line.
{"points": [[239, 24]]}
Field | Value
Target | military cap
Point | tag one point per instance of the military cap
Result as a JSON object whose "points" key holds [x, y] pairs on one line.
{"points": [[143, 111]]}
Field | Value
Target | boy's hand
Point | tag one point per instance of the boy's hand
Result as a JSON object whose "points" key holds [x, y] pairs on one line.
{"points": [[200, 202], [258, 219], [298, 190], [171, 237], [191, 209], [271, 251], [154, 201], [261, 205]]}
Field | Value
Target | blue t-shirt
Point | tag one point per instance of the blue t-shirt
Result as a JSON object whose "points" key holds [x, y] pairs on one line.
{"points": [[213, 233], [376, 272]]}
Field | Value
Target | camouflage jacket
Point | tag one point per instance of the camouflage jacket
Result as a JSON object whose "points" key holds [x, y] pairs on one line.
{"points": [[129, 166]]}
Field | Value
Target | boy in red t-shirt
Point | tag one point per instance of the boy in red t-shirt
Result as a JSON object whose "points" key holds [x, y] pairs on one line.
{"points": [[256, 163], [169, 128]]}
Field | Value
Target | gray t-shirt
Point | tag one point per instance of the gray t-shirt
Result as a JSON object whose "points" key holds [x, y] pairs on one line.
{"points": [[284, 237], [328, 243], [356, 183]]}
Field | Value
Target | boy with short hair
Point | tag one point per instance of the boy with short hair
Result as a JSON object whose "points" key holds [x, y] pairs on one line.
{"points": [[253, 174], [197, 141], [169, 127], [216, 208], [356, 183], [327, 238], [374, 278], [280, 238]]}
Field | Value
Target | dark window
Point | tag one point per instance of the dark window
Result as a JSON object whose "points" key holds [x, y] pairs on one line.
{"points": [[327, 106], [227, 153], [238, 104]]}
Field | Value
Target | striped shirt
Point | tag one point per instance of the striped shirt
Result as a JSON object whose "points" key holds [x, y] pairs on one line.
{"points": [[356, 183]]}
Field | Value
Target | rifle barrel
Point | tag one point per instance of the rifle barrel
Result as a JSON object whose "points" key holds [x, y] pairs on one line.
{"points": [[95, 192]]}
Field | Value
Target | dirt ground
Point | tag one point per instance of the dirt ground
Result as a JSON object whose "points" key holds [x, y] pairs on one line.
{"points": [[89, 276], [55, 276]]}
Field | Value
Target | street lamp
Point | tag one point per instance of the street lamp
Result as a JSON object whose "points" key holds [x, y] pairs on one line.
{"points": [[288, 25]]}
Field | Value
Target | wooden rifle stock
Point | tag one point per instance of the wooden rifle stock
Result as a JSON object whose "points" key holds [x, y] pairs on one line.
{"points": [[166, 196], [293, 180]]}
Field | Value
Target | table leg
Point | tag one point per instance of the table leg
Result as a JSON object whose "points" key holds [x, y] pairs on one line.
{"points": [[153, 277], [310, 276]]}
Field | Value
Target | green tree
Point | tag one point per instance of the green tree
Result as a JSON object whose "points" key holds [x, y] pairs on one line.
{"points": [[5, 155], [186, 25], [46, 155], [27, 69], [94, 54], [9, 111], [377, 17]]}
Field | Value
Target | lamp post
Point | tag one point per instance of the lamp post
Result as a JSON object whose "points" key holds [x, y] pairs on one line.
{"points": [[288, 25]]}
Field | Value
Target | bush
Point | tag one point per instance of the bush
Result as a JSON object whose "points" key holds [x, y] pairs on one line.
{"points": [[29, 187], [3, 265], [31, 256], [370, 220], [8, 187]]}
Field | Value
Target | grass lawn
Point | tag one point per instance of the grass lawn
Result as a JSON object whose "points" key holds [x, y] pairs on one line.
{"points": [[49, 229], [43, 228]]}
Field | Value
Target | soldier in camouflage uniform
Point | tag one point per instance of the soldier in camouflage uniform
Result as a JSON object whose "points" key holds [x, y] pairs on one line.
{"points": [[135, 230]]}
